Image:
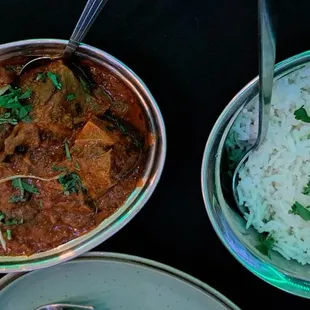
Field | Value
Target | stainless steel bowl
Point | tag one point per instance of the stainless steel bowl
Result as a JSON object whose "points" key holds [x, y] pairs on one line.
{"points": [[151, 174], [226, 220]]}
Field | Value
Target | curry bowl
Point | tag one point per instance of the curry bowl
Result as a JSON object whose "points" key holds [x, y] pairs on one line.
{"points": [[112, 134], [263, 257]]}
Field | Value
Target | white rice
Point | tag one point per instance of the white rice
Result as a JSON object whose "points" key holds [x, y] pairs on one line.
{"points": [[274, 176]]}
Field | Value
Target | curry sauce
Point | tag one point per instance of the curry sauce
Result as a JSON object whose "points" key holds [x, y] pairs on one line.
{"points": [[72, 149]]}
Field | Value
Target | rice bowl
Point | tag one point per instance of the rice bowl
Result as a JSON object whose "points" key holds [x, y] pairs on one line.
{"points": [[239, 234], [275, 176]]}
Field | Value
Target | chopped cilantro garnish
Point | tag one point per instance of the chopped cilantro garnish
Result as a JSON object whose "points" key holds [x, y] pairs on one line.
{"points": [[302, 115], [7, 119], [30, 188], [306, 190], [71, 97], [8, 234], [55, 80], [9, 222], [77, 166], [41, 76], [18, 111], [68, 154], [41, 204], [71, 183], [299, 209], [266, 244], [15, 199], [17, 183], [26, 95], [23, 187], [56, 168]]}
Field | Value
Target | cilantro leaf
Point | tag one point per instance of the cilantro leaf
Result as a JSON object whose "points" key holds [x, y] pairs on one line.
{"points": [[2, 216], [17, 183], [9, 222], [71, 97], [77, 166], [18, 111], [56, 168], [15, 199], [26, 95], [266, 245], [71, 183], [30, 188], [8, 234], [302, 115], [306, 190], [68, 154], [55, 80], [299, 209], [22, 187], [7, 119], [27, 119]]}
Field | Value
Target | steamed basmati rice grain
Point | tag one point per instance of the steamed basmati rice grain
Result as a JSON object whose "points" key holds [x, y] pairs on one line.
{"points": [[274, 176]]}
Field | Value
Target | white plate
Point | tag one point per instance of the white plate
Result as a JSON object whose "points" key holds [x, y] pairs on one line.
{"points": [[110, 281]]}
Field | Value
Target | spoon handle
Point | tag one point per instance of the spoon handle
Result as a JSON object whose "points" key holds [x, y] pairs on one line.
{"points": [[89, 14], [267, 53]]}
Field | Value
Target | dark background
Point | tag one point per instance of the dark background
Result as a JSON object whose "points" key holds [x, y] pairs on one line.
{"points": [[194, 55]]}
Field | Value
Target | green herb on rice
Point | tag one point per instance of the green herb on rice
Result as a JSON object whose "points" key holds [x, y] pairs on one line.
{"points": [[306, 190], [299, 209], [266, 244], [302, 115]]}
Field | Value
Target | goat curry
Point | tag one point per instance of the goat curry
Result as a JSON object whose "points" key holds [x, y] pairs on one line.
{"points": [[71, 151]]}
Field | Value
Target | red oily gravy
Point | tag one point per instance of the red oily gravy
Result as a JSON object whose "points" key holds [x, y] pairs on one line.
{"points": [[72, 150]]}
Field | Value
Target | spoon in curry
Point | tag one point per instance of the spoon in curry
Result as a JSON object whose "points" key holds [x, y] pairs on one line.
{"points": [[267, 50], [88, 16]]}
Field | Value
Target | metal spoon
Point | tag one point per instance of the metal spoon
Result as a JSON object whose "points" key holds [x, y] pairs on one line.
{"points": [[64, 307], [88, 16], [267, 51]]}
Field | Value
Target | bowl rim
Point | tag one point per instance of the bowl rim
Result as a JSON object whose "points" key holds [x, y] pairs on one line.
{"points": [[287, 283], [144, 262], [120, 217]]}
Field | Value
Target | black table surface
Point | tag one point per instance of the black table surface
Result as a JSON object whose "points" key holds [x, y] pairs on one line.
{"points": [[194, 55]]}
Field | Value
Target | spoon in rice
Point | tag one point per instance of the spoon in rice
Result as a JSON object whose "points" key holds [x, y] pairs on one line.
{"points": [[88, 16], [267, 51]]}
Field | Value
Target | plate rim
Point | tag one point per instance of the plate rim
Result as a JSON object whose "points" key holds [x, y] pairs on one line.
{"points": [[140, 261]]}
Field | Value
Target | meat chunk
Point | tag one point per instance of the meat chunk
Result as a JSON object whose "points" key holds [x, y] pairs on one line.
{"points": [[52, 108], [25, 211], [74, 214], [22, 134], [103, 155], [98, 130], [95, 167]]}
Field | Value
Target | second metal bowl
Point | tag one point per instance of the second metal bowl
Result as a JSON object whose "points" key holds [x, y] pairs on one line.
{"points": [[226, 220]]}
